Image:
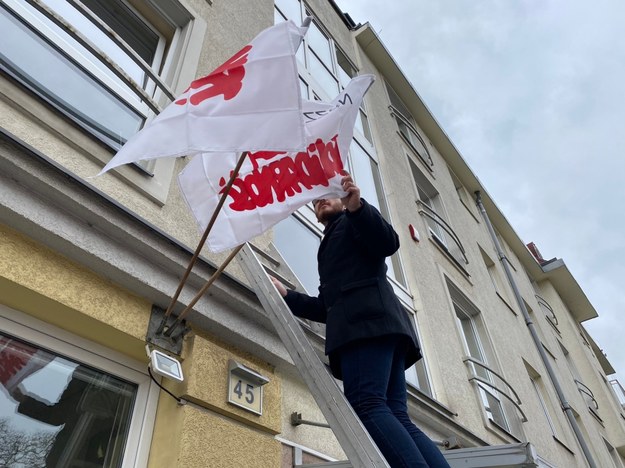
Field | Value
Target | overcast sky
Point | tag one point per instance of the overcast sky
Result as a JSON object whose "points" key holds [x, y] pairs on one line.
{"points": [[532, 93]]}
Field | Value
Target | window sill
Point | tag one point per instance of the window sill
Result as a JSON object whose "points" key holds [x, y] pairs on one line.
{"points": [[503, 299], [596, 416], [554, 326], [563, 445], [422, 398], [495, 428]]}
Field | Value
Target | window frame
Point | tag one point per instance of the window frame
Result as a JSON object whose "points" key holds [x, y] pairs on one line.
{"points": [[460, 303], [429, 391], [364, 137], [403, 117], [66, 344], [308, 80], [80, 57], [441, 233], [184, 34]]}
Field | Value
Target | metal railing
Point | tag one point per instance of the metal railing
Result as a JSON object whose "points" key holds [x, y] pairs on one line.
{"points": [[434, 216], [516, 401], [584, 390], [619, 390], [552, 315], [403, 120], [134, 87]]}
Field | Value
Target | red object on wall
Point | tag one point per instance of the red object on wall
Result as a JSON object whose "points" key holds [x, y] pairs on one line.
{"points": [[413, 233]]}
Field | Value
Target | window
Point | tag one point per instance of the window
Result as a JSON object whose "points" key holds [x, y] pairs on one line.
{"points": [[464, 196], [543, 400], [64, 405], [616, 459], [323, 65], [498, 398], [417, 374], [505, 249], [80, 81], [585, 392], [496, 278], [619, 392], [431, 208], [324, 69], [298, 245], [408, 129], [367, 175], [550, 314]]}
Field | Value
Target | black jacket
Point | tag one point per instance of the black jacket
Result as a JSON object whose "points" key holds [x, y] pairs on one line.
{"points": [[355, 300]]}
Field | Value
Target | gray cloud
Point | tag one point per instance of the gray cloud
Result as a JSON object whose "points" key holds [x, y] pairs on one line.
{"points": [[531, 92]]}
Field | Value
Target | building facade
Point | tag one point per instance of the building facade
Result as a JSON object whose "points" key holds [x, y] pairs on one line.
{"points": [[89, 264]]}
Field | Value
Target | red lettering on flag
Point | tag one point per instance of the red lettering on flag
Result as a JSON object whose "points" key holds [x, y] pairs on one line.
{"points": [[286, 176], [226, 80]]}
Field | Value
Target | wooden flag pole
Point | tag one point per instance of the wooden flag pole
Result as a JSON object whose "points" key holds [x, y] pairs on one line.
{"points": [[198, 249], [201, 292]]}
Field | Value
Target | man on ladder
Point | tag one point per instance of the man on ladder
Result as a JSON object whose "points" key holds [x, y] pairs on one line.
{"points": [[369, 338]]}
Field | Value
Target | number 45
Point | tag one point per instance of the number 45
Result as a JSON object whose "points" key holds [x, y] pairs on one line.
{"points": [[249, 392]]}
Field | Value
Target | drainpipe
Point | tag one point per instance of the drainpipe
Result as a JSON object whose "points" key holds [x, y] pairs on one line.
{"points": [[532, 329]]}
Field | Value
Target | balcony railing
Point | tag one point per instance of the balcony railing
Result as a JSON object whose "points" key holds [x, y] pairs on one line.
{"points": [[412, 137], [619, 391], [590, 400], [550, 314], [584, 390], [514, 399], [104, 58], [429, 213]]}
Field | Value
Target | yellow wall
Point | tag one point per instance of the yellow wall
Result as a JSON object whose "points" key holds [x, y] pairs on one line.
{"points": [[209, 432], [42, 283]]}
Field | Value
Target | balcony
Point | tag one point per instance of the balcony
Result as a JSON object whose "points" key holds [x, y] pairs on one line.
{"points": [[589, 398], [619, 391], [411, 137], [444, 236], [492, 387], [549, 313]]}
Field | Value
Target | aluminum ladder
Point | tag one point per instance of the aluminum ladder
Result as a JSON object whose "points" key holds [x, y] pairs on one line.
{"points": [[349, 431]]}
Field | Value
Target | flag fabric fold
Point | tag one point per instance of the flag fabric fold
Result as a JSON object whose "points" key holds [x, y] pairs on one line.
{"points": [[271, 184], [251, 102]]}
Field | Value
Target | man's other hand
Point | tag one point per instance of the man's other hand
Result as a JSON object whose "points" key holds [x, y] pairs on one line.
{"points": [[279, 286]]}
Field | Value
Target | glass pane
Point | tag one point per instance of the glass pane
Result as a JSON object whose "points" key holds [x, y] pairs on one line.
{"points": [[325, 79], [65, 84], [298, 245], [417, 376], [291, 9], [363, 171], [56, 412], [493, 408], [345, 70], [366, 176], [363, 125], [320, 44], [119, 18], [397, 103]]}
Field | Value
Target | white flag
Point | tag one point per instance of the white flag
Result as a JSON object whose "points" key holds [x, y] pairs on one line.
{"points": [[251, 102], [272, 185]]}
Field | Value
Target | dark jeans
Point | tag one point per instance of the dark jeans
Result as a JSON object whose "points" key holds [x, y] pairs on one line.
{"points": [[375, 385]]}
